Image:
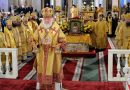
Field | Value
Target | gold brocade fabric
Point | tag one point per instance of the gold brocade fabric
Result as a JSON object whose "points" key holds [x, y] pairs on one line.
{"points": [[79, 39]]}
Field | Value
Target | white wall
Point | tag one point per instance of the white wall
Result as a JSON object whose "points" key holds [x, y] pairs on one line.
{"points": [[97, 2], [58, 2], [4, 4], [115, 2], [75, 2], [79, 5]]}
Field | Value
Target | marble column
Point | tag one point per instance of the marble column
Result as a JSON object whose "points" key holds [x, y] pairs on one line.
{"points": [[104, 7], [42, 3], [79, 5], [69, 6]]}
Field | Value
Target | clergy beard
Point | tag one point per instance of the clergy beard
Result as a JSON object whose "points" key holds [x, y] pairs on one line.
{"points": [[47, 23], [14, 24], [18, 23], [128, 24], [25, 23], [10, 28]]}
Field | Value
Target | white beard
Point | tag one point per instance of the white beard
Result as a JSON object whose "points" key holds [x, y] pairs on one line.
{"points": [[47, 25]]}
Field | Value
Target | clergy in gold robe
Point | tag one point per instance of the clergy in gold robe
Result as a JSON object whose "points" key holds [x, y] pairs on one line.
{"points": [[58, 18], [101, 30], [16, 34], [9, 35], [9, 38], [100, 9], [118, 31], [50, 41], [29, 31], [124, 33], [32, 22], [74, 12], [93, 34], [125, 36], [3, 44], [24, 34]]}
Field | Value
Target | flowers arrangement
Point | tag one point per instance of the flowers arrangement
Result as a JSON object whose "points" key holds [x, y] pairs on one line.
{"points": [[115, 9], [87, 29], [64, 27]]}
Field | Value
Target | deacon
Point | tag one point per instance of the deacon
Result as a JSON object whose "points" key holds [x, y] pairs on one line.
{"points": [[50, 41], [118, 31], [16, 34], [9, 39], [9, 35], [24, 34], [92, 34], [101, 33], [125, 33], [32, 23]]}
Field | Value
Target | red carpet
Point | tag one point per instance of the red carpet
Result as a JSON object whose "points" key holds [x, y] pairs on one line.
{"points": [[25, 70], [69, 69], [30, 85], [93, 85]]}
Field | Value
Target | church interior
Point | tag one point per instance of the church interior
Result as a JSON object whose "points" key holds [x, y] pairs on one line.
{"points": [[64, 45]]}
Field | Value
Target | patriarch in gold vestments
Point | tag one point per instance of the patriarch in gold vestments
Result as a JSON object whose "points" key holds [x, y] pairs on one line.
{"points": [[49, 40], [101, 30]]}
